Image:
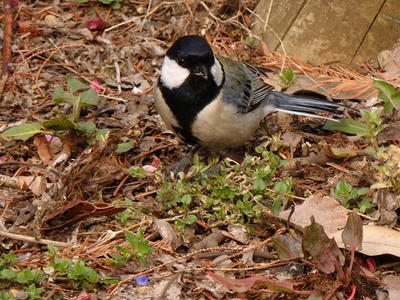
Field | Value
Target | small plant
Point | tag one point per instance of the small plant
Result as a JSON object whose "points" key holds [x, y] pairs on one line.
{"points": [[82, 276], [7, 260], [288, 78], [370, 128], [181, 223], [237, 194], [34, 292], [78, 95], [79, 275], [115, 4], [386, 161], [352, 197], [25, 276], [140, 249]]}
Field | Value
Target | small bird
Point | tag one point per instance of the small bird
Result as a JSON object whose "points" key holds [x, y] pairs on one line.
{"points": [[217, 102]]}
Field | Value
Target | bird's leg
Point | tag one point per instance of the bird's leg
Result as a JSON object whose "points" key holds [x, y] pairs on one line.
{"points": [[183, 164]]}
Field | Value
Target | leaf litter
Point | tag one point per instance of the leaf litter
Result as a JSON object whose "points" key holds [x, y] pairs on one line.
{"points": [[68, 188]]}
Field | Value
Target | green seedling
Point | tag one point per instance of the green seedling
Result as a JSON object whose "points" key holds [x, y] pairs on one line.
{"points": [[82, 276], [351, 197], [115, 4], [288, 78], [140, 250], [181, 223]]}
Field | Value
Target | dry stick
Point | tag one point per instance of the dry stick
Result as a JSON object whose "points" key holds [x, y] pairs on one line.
{"points": [[144, 154], [268, 15], [7, 41], [25, 238], [145, 16]]}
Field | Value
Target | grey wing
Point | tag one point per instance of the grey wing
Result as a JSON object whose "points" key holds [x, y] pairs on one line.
{"points": [[243, 85], [259, 88]]}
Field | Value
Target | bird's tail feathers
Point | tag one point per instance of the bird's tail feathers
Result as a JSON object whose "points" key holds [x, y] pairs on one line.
{"points": [[303, 105]]}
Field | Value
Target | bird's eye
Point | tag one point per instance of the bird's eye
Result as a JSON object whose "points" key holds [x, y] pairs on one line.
{"points": [[181, 60]]}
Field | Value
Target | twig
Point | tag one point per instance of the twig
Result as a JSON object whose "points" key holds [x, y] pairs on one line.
{"points": [[145, 16], [18, 163], [7, 41], [268, 15], [29, 239], [121, 24], [144, 154]]}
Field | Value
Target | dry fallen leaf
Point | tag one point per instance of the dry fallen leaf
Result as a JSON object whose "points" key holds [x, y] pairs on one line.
{"points": [[377, 240], [43, 148], [327, 212], [36, 184], [393, 286], [168, 232]]}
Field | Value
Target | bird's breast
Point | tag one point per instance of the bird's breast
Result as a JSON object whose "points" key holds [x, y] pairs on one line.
{"points": [[219, 125]]}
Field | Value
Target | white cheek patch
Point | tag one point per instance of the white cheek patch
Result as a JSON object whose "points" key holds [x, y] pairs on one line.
{"points": [[217, 72], [172, 74]]}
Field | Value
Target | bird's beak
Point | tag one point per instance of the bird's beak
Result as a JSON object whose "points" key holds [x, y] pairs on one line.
{"points": [[202, 71]]}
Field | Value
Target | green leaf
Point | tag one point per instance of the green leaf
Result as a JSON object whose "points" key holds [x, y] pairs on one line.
{"points": [[388, 94], [59, 122], [61, 265], [140, 246], [347, 126], [22, 132], [34, 293], [75, 85], [89, 97], [190, 219], [276, 206], [87, 127], [59, 95], [29, 276], [125, 147], [7, 274], [6, 296], [186, 200], [259, 184], [283, 186], [136, 172]]}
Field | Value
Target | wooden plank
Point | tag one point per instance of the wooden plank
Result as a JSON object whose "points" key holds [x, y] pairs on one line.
{"points": [[383, 33], [281, 17], [330, 31]]}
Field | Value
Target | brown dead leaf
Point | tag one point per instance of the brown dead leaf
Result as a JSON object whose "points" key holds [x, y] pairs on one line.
{"points": [[43, 148], [168, 232], [377, 240], [332, 151], [392, 283], [210, 241], [326, 211], [37, 184], [390, 61], [76, 211]]}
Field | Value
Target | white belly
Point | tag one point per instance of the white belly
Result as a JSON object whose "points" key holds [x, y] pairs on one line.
{"points": [[221, 126]]}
